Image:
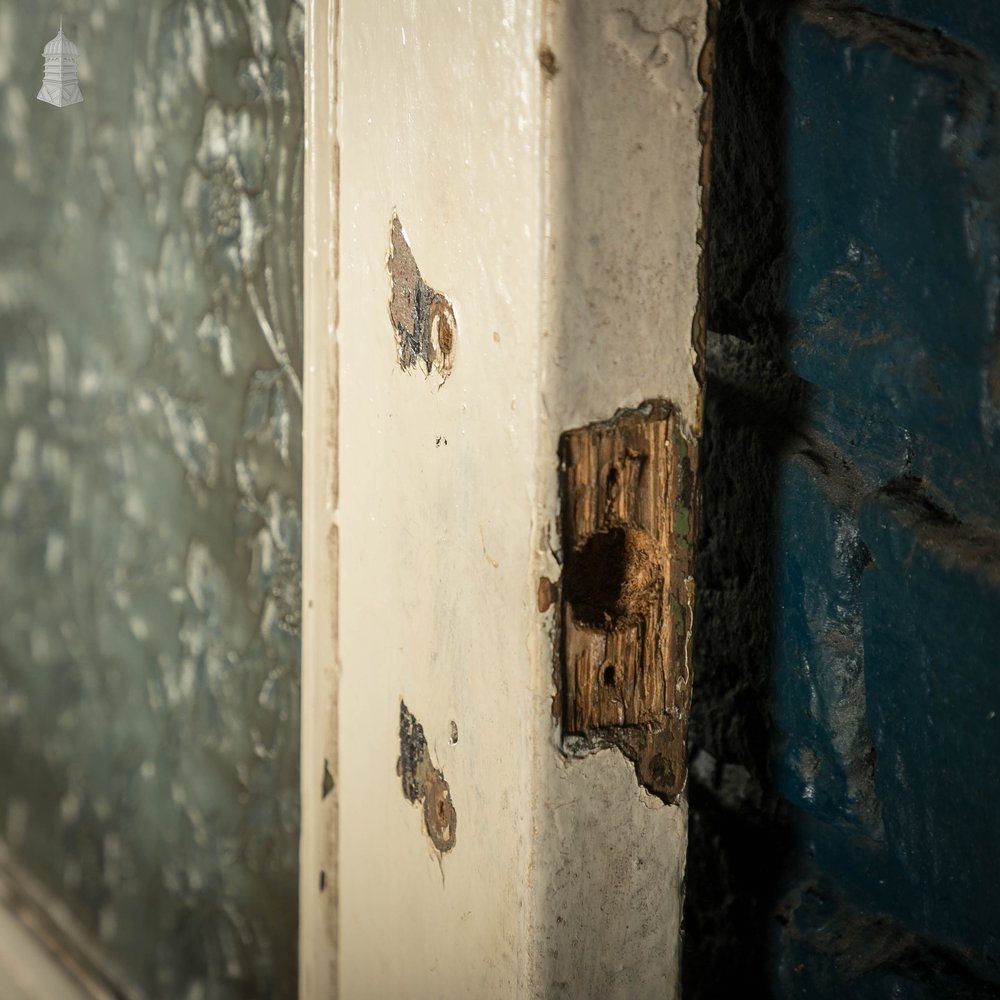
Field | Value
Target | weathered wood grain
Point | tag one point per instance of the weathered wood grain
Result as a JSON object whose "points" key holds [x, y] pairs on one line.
{"points": [[627, 523]]}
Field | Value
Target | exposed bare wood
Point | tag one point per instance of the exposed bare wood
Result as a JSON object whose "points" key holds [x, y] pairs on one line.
{"points": [[627, 595]]}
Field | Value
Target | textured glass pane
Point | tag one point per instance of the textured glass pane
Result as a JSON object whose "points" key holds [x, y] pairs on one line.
{"points": [[150, 458]]}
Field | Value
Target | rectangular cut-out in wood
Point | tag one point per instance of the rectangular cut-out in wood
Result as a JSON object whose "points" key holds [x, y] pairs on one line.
{"points": [[627, 596]]}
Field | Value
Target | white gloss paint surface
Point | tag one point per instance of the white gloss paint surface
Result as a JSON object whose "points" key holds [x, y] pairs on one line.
{"points": [[435, 541], [559, 217]]}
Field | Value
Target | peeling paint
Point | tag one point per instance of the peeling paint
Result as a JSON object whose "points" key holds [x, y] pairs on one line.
{"points": [[423, 783], [422, 318]]}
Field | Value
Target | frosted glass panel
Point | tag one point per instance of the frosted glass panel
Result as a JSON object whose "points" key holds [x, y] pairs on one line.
{"points": [[150, 460]]}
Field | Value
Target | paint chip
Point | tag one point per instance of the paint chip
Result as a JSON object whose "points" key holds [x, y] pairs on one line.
{"points": [[424, 783], [422, 318]]}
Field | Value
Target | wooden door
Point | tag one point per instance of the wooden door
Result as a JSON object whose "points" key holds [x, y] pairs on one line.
{"points": [[504, 204]]}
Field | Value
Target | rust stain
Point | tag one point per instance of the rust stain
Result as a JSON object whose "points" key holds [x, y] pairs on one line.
{"points": [[627, 603], [548, 594], [547, 60], [422, 318], [439, 812], [423, 783]]}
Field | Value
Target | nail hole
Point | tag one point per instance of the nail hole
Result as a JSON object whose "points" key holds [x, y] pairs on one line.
{"points": [[609, 675]]}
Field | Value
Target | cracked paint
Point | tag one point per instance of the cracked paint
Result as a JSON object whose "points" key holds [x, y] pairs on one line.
{"points": [[663, 54]]}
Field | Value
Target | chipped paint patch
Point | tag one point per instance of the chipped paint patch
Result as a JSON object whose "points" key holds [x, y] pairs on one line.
{"points": [[422, 318], [424, 783]]}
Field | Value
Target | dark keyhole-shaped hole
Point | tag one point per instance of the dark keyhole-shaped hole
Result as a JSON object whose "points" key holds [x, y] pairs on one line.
{"points": [[595, 574]]}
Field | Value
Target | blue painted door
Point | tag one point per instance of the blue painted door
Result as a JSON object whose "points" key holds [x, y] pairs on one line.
{"points": [[846, 758]]}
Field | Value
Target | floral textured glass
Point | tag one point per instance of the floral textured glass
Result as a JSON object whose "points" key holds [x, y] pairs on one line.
{"points": [[150, 459]]}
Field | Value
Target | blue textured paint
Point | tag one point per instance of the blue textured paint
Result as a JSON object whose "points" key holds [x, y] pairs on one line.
{"points": [[894, 280], [887, 674], [930, 641], [820, 697]]}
